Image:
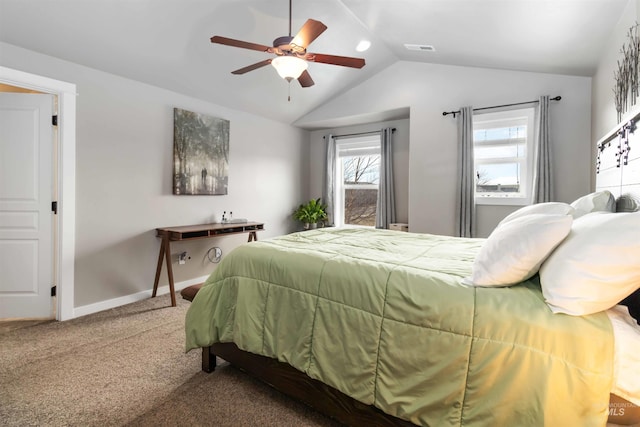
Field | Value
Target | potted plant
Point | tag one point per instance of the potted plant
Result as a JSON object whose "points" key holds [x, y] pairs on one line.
{"points": [[311, 213]]}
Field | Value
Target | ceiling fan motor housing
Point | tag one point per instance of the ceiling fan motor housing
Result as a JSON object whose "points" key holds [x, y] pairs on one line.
{"points": [[283, 44]]}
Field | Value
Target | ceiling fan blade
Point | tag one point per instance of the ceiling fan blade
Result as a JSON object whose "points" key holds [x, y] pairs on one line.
{"points": [[252, 67], [345, 61], [239, 43], [309, 32], [305, 79]]}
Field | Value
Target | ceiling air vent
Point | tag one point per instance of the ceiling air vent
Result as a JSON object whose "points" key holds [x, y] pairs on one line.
{"points": [[420, 47]]}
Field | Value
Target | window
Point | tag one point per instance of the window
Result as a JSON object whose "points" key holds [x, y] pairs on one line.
{"points": [[357, 180], [503, 153]]}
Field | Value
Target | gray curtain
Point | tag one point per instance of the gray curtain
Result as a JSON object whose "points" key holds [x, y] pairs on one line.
{"points": [[386, 208], [466, 204], [542, 178], [328, 191]]}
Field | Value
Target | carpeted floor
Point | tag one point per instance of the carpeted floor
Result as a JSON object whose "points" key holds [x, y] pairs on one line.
{"points": [[127, 367]]}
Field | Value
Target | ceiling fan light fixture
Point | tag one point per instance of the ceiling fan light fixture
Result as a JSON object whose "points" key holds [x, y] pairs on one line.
{"points": [[289, 67]]}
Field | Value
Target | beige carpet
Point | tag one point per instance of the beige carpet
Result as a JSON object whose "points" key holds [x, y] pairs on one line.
{"points": [[127, 366]]}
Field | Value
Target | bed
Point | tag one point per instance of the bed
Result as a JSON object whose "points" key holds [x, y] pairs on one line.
{"points": [[379, 327], [381, 317]]}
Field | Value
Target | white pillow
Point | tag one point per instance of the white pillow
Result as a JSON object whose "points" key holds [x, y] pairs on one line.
{"points": [[515, 249], [597, 266], [553, 208], [600, 201]]}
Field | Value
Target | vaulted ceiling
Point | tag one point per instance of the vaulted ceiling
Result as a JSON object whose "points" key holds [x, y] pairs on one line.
{"points": [[166, 42]]}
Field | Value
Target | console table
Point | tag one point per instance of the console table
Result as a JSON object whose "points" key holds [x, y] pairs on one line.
{"points": [[190, 232]]}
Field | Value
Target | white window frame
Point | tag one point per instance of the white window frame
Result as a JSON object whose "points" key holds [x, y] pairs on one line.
{"points": [[505, 119], [368, 145]]}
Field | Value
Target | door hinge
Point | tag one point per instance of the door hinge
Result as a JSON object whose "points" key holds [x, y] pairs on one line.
{"points": [[54, 207], [53, 291], [54, 120]]}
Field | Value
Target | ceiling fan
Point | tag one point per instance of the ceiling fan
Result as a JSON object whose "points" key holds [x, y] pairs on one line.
{"points": [[292, 58]]}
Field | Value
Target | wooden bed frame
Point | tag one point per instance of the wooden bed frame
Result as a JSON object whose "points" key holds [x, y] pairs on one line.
{"points": [[296, 384]]}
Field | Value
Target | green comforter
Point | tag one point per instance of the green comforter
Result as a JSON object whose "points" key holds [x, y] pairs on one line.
{"points": [[381, 316]]}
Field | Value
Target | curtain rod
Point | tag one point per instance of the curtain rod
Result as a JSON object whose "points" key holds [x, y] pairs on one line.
{"points": [[357, 134], [557, 98]]}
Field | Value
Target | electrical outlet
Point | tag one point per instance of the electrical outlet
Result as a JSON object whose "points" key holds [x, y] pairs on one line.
{"points": [[182, 258]]}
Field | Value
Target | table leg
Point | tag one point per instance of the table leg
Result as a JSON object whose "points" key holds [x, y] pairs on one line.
{"points": [[167, 253], [158, 269]]}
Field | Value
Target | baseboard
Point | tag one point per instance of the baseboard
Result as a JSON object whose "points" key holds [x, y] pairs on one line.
{"points": [[128, 299]]}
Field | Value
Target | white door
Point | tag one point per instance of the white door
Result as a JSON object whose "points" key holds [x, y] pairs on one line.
{"points": [[26, 219]]}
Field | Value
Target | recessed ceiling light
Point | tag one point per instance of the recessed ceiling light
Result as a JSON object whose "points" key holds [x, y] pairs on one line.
{"points": [[363, 45], [422, 47]]}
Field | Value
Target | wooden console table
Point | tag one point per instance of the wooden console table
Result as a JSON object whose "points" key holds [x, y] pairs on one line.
{"points": [[190, 232]]}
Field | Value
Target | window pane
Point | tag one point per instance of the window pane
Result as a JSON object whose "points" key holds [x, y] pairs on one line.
{"points": [[360, 206], [498, 178], [501, 152], [360, 203], [361, 169]]}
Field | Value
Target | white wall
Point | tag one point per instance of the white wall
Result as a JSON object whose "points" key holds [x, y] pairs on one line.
{"points": [[400, 160], [428, 90], [123, 178]]}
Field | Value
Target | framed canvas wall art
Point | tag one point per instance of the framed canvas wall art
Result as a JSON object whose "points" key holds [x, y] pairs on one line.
{"points": [[200, 154]]}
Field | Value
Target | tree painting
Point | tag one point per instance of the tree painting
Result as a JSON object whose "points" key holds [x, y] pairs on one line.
{"points": [[200, 153]]}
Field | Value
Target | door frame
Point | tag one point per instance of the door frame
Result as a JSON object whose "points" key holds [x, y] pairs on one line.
{"points": [[66, 185]]}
